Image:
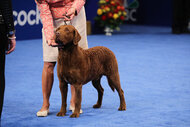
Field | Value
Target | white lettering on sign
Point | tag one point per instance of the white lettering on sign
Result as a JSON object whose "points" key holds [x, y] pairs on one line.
{"points": [[22, 17]]}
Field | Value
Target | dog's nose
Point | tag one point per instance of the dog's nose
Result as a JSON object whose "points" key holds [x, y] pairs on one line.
{"points": [[57, 34]]}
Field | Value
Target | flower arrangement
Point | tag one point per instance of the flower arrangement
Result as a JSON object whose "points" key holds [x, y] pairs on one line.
{"points": [[110, 14]]}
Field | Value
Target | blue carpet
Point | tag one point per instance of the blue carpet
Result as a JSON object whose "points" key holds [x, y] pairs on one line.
{"points": [[154, 68]]}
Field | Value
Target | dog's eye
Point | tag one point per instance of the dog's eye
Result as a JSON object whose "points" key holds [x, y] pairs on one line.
{"points": [[57, 29]]}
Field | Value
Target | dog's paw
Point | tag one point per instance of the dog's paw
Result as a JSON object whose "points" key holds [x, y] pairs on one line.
{"points": [[74, 115], [122, 108], [61, 114], [96, 106]]}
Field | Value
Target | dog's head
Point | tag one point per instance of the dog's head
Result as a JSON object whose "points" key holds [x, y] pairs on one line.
{"points": [[67, 35]]}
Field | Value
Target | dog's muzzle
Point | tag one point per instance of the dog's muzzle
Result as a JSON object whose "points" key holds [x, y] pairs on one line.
{"points": [[57, 41], [59, 44]]}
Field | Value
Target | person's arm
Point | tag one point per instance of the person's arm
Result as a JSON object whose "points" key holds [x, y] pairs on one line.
{"points": [[78, 4], [7, 12], [47, 20], [74, 10]]}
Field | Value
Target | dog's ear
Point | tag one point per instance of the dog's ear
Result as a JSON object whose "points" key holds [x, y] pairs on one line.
{"points": [[76, 37]]}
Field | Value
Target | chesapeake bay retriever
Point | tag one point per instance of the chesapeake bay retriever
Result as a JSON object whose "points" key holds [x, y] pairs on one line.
{"points": [[77, 66]]}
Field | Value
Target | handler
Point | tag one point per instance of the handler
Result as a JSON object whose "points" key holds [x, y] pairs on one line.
{"points": [[55, 13]]}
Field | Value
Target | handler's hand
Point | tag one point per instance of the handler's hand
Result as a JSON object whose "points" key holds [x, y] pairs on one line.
{"points": [[70, 14], [11, 45], [51, 42]]}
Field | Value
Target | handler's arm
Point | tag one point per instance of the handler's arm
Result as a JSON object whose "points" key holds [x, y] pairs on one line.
{"points": [[47, 19]]}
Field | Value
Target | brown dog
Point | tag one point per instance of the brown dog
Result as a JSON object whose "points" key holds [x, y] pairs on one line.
{"points": [[78, 66]]}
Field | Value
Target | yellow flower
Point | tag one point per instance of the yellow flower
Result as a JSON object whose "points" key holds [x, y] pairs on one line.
{"points": [[99, 11], [119, 13], [124, 13], [102, 1], [115, 16]]}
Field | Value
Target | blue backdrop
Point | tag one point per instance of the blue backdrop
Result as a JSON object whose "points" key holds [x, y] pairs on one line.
{"points": [[27, 19], [28, 24]]}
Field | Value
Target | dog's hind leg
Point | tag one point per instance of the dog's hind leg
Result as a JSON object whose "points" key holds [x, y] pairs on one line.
{"points": [[63, 88], [97, 85], [114, 82]]}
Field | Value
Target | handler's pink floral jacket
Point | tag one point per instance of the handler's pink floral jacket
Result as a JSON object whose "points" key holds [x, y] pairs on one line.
{"points": [[54, 9]]}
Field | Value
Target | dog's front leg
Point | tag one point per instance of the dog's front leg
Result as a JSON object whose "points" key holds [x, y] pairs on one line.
{"points": [[78, 99], [63, 88]]}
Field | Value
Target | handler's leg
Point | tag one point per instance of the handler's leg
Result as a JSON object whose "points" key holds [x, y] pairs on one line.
{"points": [[47, 83], [78, 99], [72, 102], [73, 99]]}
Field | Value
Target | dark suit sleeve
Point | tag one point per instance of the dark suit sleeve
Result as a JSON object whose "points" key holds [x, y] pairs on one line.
{"points": [[7, 12]]}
